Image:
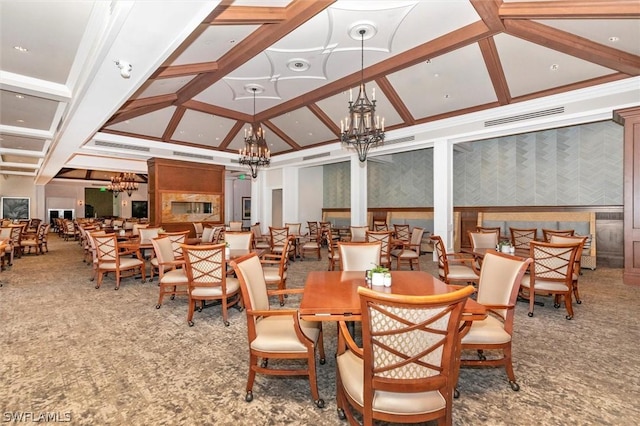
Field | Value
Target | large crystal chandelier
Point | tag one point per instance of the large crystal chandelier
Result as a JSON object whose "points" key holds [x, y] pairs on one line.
{"points": [[362, 128], [124, 182], [255, 152]]}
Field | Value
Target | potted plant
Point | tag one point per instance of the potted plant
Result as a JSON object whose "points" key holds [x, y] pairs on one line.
{"points": [[377, 275], [504, 247]]}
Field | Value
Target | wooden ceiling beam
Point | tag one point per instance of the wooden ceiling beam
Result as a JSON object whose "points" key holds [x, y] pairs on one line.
{"points": [[324, 118], [219, 111], [130, 114], [396, 101], [592, 9], [489, 12], [496, 72], [573, 45], [184, 70], [297, 13], [232, 134], [173, 123], [248, 15], [282, 135]]}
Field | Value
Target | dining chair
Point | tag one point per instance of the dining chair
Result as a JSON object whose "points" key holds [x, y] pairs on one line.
{"points": [[385, 250], [239, 240], [483, 240], [454, 268], [490, 229], [332, 249], [276, 334], [521, 237], [409, 253], [235, 226], [406, 369], [311, 244], [358, 233], [206, 269], [547, 233], [260, 241], [207, 235], [380, 225], [198, 227], [279, 236], [551, 274], [177, 239], [359, 256], [498, 287], [402, 232], [294, 228], [135, 231], [275, 266], [324, 227], [110, 258], [172, 275], [577, 266]]}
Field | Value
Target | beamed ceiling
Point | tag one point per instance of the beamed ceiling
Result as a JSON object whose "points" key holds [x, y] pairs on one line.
{"points": [[64, 106]]}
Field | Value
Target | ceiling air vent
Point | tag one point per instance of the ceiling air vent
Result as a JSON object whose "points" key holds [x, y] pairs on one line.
{"points": [[405, 139], [313, 157], [122, 146], [522, 117], [191, 155]]}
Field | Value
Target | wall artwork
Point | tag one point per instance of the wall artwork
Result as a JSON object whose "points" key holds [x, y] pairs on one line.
{"points": [[15, 208], [246, 208]]}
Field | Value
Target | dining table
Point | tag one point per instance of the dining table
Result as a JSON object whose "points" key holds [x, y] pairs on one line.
{"points": [[333, 295]]}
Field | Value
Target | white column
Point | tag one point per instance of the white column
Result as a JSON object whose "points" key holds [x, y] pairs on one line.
{"points": [[358, 192], [40, 203], [443, 192], [290, 188]]}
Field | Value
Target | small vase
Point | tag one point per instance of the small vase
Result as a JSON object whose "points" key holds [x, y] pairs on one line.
{"points": [[387, 280], [377, 278], [506, 249], [227, 252]]}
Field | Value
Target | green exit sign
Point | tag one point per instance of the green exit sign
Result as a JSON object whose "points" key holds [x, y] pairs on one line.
{"points": [[242, 177]]}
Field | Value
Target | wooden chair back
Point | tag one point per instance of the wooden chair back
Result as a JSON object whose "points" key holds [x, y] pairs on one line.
{"points": [[522, 237]]}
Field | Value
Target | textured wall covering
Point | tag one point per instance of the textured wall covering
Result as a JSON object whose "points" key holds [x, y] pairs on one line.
{"points": [[577, 165]]}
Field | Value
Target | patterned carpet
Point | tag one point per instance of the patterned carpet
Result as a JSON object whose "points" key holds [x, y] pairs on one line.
{"points": [[105, 357]]}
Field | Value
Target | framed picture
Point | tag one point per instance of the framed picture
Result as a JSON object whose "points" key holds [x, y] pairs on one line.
{"points": [[15, 208], [246, 208], [139, 209]]}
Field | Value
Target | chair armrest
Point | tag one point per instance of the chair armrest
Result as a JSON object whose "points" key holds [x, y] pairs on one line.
{"points": [[285, 291], [272, 312], [345, 341]]}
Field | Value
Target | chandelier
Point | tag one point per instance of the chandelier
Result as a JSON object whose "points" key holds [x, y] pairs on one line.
{"points": [[124, 182], [362, 128], [255, 152]]}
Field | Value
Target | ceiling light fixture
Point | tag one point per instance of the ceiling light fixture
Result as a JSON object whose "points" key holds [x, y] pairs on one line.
{"points": [[362, 128], [255, 152], [124, 182], [125, 68]]}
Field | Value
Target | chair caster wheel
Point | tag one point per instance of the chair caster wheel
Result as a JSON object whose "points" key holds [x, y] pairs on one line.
{"points": [[569, 317], [226, 323], [190, 323], [341, 414], [530, 314], [322, 361], [249, 396], [556, 305], [579, 302], [456, 393], [158, 306], [173, 297], [97, 287], [281, 303], [514, 386], [319, 403]]}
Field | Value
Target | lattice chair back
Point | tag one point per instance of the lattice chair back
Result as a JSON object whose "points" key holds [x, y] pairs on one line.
{"points": [[521, 238], [403, 232]]}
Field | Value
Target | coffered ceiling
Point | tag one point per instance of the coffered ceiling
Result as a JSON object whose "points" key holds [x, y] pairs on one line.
{"points": [[66, 110]]}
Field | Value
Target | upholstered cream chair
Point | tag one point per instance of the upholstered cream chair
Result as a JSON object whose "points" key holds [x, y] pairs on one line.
{"points": [[577, 266], [490, 229], [547, 233], [332, 249], [173, 278], [147, 234], [278, 238], [110, 258], [135, 231], [497, 290], [207, 235], [402, 232], [409, 253], [380, 225], [177, 239], [260, 241], [239, 240], [275, 267], [482, 240], [454, 268], [359, 256], [551, 273], [312, 243], [406, 369], [385, 249], [206, 269], [294, 228], [358, 234], [276, 334], [235, 226]]}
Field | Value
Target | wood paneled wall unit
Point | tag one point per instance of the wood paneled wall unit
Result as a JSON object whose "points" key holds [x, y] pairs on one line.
{"points": [[630, 119], [182, 181]]}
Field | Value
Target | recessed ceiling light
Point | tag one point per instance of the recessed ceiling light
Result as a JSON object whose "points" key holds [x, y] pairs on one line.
{"points": [[20, 121], [447, 96], [232, 41], [614, 39], [298, 65], [21, 49], [436, 75], [20, 96], [310, 134], [554, 67]]}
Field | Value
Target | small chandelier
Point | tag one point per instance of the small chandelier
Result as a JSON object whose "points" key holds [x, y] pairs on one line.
{"points": [[362, 128], [255, 152], [124, 182]]}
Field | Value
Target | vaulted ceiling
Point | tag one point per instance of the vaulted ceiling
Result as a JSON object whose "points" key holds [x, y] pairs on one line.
{"points": [[65, 109]]}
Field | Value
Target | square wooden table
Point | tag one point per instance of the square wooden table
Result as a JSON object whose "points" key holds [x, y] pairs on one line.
{"points": [[333, 295]]}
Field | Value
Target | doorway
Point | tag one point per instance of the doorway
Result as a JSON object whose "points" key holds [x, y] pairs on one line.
{"points": [[276, 208]]}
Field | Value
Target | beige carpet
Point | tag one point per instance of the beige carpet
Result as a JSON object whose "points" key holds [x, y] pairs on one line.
{"points": [[105, 357]]}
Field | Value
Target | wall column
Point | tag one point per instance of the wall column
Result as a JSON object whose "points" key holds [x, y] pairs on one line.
{"points": [[358, 192], [443, 192], [290, 185], [630, 118]]}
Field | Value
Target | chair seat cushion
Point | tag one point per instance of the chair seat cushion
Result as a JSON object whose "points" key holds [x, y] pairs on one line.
{"points": [[351, 370], [271, 273], [175, 276], [277, 334], [233, 285], [488, 331], [460, 272], [404, 254], [125, 263], [542, 285]]}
